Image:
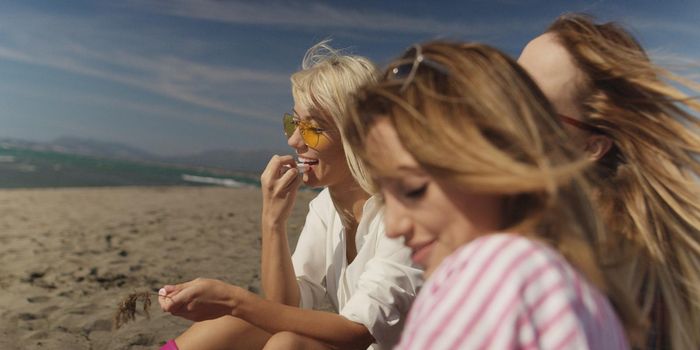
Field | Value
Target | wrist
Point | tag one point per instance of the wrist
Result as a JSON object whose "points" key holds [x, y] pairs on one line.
{"points": [[239, 302], [273, 225]]}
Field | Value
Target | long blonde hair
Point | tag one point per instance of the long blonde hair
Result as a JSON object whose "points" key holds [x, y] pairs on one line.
{"points": [[326, 84], [484, 126], [648, 188]]}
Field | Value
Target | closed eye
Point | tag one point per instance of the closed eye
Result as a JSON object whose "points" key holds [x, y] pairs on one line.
{"points": [[317, 130], [417, 192]]}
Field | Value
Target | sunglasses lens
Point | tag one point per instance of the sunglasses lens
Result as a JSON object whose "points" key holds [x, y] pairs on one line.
{"points": [[310, 138], [289, 125], [401, 71]]}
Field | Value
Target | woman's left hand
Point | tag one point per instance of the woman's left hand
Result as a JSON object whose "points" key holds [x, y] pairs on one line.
{"points": [[200, 299]]}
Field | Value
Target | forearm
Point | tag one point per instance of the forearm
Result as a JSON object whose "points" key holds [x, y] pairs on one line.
{"points": [[330, 328], [278, 278]]}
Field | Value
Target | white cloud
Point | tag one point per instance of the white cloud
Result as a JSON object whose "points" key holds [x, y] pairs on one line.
{"points": [[663, 25], [319, 15], [66, 43]]}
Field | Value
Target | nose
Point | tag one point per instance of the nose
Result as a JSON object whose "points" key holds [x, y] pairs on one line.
{"points": [[297, 142], [396, 222]]}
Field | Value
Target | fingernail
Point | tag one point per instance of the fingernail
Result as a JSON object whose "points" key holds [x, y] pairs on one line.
{"points": [[162, 292]]}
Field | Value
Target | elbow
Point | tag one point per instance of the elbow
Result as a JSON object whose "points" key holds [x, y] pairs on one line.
{"points": [[360, 339]]}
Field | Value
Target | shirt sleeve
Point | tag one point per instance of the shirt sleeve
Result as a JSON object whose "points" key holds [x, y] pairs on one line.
{"points": [[385, 291], [508, 292], [309, 258]]}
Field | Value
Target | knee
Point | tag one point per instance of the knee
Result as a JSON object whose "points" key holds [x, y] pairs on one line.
{"points": [[284, 340]]}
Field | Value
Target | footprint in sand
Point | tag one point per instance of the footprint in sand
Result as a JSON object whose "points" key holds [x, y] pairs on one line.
{"points": [[38, 299]]}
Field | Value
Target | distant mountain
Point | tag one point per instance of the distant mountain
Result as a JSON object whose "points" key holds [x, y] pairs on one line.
{"points": [[88, 147], [246, 161]]}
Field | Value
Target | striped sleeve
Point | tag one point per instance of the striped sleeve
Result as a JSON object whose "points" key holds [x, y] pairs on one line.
{"points": [[504, 291]]}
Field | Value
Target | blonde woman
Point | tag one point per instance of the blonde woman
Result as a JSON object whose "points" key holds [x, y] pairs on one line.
{"points": [[342, 252], [644, 136], [480, 180]]}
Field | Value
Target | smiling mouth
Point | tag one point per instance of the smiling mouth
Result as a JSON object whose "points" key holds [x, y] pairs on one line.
{"points": [[308, 161], [421, 252]]}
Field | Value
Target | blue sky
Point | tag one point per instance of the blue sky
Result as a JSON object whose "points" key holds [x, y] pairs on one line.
{"points": [[177, 77]]}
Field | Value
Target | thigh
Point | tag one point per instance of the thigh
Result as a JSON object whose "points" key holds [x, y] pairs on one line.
{"points": [[293, 341], [222, 333]]}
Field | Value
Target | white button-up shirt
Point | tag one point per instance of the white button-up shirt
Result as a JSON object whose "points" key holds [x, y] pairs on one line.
{"points": [[376, 289]]}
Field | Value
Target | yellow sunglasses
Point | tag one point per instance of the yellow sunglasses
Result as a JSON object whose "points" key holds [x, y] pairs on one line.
{"points": [[312, 135]]}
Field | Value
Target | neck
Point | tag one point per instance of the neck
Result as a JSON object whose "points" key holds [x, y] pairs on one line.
{"points": [[348, 198]]}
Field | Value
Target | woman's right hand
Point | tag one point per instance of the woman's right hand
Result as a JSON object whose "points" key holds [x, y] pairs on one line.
{"points": [[279, 189]]}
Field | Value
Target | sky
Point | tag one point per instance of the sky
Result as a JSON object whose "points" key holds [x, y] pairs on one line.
{"points": [[176, 77]]}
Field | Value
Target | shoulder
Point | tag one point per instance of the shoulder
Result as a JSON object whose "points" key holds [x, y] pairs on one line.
{"points": [[506, 253], [510, 288], [508, 261]]}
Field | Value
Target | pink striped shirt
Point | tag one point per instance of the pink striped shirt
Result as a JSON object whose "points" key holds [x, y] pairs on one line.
{"points": [[504, 291]]}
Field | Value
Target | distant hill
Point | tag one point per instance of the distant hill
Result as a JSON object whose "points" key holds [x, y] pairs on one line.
{"points": [[88, 147], [244, 161]]}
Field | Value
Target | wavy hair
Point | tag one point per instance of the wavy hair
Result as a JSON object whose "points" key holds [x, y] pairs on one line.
{"points": [[647, 185], [484, 126], [326, 84]]}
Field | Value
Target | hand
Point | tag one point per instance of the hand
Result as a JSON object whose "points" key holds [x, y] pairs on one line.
{"points": [[279, 188], [200, 299]]}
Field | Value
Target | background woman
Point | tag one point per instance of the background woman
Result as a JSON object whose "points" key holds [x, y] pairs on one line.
{"points": [[342, 251], [643, 134]]}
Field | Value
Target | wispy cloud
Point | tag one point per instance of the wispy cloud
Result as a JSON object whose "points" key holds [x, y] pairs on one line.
{"points": [[320, 15], [665, 26], [211, 86]]}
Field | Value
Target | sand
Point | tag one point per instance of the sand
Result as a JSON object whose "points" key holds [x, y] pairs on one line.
{"points": [[68, 256]]}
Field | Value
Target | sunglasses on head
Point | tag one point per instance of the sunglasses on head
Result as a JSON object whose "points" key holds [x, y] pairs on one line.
{"points": [[312, 135], [406, 72]]}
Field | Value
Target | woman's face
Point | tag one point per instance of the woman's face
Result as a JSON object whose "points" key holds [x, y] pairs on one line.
{"points": [[553, 69], [434, 218], [326, 160]]}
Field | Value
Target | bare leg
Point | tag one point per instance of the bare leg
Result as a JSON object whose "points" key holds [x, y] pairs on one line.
{"points": [[293, 341], [222, 333]]}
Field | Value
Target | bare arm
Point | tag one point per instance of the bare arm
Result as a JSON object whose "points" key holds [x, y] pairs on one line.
{"points": [[206, 299], [279, 193], [330, 328], [278, 279]]}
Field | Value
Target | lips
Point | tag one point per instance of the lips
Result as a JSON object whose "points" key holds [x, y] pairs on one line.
{"points": [[421, 252]]}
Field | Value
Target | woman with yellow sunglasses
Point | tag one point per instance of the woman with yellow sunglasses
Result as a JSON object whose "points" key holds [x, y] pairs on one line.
{"points": [[342, 253]]}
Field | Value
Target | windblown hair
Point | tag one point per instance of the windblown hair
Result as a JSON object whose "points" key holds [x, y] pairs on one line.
{"points": [[648, 187], [326, 85], [485, 127]]}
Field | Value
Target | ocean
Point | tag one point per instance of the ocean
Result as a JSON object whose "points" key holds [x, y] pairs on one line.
{"points": [[29, 168]]}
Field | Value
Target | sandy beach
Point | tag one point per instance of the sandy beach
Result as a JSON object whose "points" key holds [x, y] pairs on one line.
{"points": [[68, 256]]}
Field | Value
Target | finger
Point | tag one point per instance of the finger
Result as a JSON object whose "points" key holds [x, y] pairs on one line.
{"points": [[274, 166], [166, 296], [294, 185], [288, 179]]}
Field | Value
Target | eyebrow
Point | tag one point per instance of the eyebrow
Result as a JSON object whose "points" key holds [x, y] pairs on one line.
{"points": [[403, 168]]}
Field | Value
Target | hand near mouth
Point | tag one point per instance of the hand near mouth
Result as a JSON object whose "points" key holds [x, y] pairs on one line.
{"points": [[279, 188]]}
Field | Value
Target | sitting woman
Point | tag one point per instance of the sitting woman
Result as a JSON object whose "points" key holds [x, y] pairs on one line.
{"points": [[644, 136], [342, 252], [480, 180]]}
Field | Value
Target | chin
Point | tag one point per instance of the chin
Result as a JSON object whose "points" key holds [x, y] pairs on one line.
{"points": [[313, 181]]}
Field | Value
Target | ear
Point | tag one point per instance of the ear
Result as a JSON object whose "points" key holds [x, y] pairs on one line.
{"points": [[597, 146]]}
